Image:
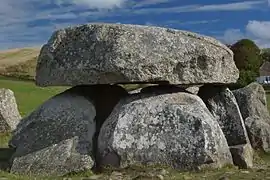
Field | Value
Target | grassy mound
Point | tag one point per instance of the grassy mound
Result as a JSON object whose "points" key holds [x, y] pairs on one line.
{"points": [[19, 63]]}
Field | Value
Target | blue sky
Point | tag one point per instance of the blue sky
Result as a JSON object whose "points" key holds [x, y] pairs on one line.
{"points": [[27, 23]]}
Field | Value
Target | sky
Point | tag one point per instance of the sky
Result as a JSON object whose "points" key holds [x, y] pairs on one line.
{"points": [[30, 23]]}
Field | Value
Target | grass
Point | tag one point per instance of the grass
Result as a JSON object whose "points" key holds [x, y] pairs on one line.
{"points": [[28, 95]]}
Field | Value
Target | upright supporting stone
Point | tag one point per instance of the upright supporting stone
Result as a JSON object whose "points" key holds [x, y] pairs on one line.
{"points": [[163, 128], [223, 105], [253, 106]]}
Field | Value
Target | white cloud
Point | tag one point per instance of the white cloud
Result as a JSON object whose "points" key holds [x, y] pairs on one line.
{"points": [[149, 2], [96, 4], [258, 31], [239, 6], [232, 35], [230, 6], [193, 22], [15, 15]]}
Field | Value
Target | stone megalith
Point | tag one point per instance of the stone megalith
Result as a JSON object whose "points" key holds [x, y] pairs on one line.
{"points": [[253, 107], [9, 114], [223, 106], [56, 138], [172, 129], [101, 53], [59, 137]]}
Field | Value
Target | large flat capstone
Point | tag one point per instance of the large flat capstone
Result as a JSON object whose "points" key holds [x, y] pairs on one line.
{"points": [[117, 53]]}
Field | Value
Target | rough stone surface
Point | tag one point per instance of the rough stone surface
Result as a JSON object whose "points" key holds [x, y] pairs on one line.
{"points": [[117, 53], [252, 101], [223, 106], [253, 107], [259, 133], [56, 138], [242, 155], [162, 128], [193, 89], [9, 114], [61, 158], [135, 91]]}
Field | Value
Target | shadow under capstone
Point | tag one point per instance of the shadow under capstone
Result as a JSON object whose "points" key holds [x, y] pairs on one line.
{"points": [[5, 155], [104, 97]]}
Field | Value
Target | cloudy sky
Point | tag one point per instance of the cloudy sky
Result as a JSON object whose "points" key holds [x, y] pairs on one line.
{"points": [[26, 23]]}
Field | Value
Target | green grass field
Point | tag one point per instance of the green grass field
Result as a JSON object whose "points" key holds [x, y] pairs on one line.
{"points": [[29, 97], [27, 94]]}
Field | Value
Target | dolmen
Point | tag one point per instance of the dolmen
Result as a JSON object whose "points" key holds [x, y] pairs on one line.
{"points": [[186, 117]]}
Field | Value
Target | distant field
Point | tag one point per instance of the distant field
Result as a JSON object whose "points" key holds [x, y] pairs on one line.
{"points": [[20, 63]]}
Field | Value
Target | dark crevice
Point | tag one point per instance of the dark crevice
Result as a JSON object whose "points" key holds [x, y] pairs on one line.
{"points": [[104, 98]]}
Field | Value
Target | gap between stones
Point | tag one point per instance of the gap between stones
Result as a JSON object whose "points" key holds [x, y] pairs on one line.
{"points": [[105, 97]]}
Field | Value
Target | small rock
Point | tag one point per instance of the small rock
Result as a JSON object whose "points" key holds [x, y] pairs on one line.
{"points": [[245, 172], [9, 114], [164, 172], [193, 89], [160, 177], [242, 155], [135, 91], [116, 175]]}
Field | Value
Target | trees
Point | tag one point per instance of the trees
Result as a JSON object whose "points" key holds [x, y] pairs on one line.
{"points": [[247, 59], [265, 54]]}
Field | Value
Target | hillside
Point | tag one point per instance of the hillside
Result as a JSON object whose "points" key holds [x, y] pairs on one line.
{"points": [[19, 63]]}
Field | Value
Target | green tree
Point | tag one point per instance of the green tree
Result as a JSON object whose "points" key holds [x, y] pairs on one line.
{"points": [[265, 54], [247, 59]]}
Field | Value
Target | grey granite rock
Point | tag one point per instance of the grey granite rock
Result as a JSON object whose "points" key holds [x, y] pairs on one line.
{"points": [[223, 106], [162, 128], [259, 133], [194, 89], [253, 107], [252, 101], [66, 156], [9, 114], [56, 138], [102, 53], [242, 155]]}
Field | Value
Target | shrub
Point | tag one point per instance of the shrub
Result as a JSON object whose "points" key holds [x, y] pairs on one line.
{"points": [[248, 60]]}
